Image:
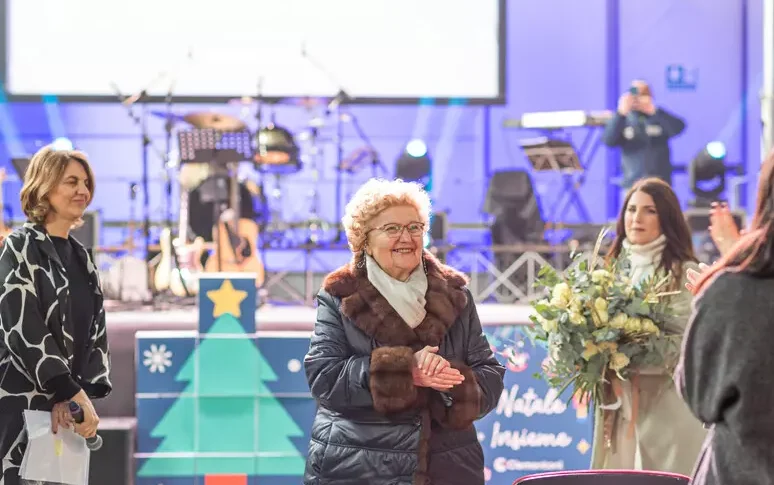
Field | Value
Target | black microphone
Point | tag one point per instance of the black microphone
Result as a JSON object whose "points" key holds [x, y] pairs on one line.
{"points": [[76, 412]]}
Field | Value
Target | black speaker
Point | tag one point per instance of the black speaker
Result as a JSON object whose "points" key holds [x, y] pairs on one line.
{"points": [[511, 199], [114, 463], [439, 227]]}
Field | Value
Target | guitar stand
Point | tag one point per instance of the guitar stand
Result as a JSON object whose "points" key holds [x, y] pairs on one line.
{"points": [[215, 190]]}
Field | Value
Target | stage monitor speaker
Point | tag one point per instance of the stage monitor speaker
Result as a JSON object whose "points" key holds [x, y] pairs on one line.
{"points": [[88, 233], [511, 199], [114, 463], [439, 227]]}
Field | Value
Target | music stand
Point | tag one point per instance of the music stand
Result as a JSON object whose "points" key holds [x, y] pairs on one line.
{"points": [[208, 145], [217, 147], [552, 155], [546, 154]]}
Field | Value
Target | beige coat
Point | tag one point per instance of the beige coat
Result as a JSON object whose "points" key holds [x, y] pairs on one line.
{"points": [[667, 437]]}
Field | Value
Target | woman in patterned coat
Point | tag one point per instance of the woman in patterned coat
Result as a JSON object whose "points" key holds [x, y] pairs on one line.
{"points": [[53, 342]]}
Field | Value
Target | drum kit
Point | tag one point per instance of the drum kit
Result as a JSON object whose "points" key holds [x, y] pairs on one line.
{"points": [[213, 150], [275, 153]]}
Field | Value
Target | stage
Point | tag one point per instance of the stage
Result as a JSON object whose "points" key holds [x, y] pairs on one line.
{"points": [[122, 326]]}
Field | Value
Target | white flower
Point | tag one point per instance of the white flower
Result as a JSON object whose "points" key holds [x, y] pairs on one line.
{"points": [[619, 320], [590, 350], [618, 361], [600, 315], [548, 325], [561, 295], [601, 276], [633, 325], [577, 318], [157, 359], [648, 326]]}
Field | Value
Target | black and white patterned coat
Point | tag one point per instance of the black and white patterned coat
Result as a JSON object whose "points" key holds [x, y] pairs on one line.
{"points": [[36, 340]]}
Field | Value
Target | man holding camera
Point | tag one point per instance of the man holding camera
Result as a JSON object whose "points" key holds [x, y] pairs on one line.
{"points": [[642, 131]]}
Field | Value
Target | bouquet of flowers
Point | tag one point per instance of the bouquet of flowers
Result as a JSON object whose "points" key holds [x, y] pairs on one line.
{"points": [[598, 324]]}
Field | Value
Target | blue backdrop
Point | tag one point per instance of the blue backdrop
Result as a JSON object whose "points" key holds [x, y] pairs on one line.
{"points": [[562, 54]]}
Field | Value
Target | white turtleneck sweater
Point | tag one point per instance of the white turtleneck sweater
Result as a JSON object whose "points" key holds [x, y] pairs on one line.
{"points": [[644, 258]]}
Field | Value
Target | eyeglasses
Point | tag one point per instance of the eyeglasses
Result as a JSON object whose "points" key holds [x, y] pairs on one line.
{"points": [[394, 231]]}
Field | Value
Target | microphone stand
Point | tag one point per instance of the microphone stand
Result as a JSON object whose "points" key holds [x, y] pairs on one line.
{"points": [[168, 125], [376, 161], [141, 120], [341, 97]]}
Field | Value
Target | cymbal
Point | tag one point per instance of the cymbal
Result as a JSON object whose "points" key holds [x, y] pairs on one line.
{"points": [[216, 121]]}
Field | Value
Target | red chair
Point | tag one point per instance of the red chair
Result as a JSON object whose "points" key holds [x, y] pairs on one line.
{"points": [[604, 477]]}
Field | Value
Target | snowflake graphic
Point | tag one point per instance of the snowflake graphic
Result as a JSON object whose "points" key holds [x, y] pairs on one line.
{"points": [[158, 358]]}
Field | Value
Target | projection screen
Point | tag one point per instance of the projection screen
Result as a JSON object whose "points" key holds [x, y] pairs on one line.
{"points": [[374, 50]]}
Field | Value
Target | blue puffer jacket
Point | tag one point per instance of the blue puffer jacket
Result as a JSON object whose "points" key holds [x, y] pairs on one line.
{"points": [[373, 425]]}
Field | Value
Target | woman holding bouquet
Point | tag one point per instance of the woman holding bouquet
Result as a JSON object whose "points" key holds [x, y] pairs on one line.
{"points": [[652, 429]]}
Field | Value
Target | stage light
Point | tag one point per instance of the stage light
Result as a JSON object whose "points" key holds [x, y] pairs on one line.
{"points": [[62, 143], [416, 148], [414, 164], [716, 149], [707, 174]]}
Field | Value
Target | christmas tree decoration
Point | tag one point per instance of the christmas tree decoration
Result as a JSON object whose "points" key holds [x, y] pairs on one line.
{"points": [[222, 421]]}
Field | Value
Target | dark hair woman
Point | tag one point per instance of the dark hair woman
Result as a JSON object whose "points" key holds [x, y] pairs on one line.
{"points": [[652, 429]]}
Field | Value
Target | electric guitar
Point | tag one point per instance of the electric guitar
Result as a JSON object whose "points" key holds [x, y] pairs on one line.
{"points": [[185, 278], [181, 278]]}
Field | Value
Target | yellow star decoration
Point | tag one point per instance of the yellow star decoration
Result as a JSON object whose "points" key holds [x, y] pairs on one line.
{"points": [[226, 300]]}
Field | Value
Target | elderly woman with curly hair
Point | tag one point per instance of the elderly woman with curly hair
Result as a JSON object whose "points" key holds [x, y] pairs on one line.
{"points": [[398, 362]]}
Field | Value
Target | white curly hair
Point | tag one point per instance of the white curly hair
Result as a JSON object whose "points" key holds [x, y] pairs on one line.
{"points": [[375, 196]]}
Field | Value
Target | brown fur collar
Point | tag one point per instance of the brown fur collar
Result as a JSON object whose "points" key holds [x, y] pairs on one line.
{"points": [[362, 303]]}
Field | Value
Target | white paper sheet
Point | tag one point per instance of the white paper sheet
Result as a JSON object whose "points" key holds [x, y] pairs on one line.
{"points": [[58, 458]]}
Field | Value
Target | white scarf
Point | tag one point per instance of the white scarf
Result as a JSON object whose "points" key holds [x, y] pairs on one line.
{"points": [[644, 258], [407, 298]]}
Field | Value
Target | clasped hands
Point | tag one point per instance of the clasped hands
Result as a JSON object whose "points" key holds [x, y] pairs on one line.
{"points": [[433, 371], [61, 417]]}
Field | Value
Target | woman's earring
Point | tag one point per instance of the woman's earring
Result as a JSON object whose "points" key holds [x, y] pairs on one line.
{"points": [[360, 264], [424, 264]]}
